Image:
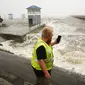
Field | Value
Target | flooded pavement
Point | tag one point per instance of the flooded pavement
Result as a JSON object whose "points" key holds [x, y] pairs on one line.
{"points": [[15, 30], [18, 29]]}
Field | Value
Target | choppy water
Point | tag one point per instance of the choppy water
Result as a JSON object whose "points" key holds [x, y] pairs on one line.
{"points": [[69, 54]]}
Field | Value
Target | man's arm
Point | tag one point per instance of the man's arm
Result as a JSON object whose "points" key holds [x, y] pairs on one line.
{"points": [[53, 43], [43, 67], [41, 55]]}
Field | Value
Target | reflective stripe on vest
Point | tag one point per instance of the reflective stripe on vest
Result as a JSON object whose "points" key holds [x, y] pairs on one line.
{"points": [[49, 54]]}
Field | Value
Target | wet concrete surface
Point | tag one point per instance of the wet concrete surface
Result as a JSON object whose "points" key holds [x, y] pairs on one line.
{"points": [[21, 68], [17, 66], [14, 30], [19, 30]]}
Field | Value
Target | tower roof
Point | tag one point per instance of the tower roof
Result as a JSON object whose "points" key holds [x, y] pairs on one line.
{"points": [[33, 7]]}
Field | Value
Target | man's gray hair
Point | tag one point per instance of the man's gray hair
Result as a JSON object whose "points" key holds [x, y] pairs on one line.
{"points": [[46, 31]]}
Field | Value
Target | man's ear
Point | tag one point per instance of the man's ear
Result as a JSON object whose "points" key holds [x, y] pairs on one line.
{"points": [[45, 36]]}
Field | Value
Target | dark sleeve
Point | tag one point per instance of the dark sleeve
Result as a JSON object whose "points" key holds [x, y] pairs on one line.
{"points": [[41, 53]]}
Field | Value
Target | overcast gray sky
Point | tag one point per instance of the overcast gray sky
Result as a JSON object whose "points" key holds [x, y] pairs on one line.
{"points": [[49, 7]]}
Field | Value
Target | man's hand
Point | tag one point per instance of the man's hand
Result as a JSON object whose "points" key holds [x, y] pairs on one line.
{"points": [[57, 41], [47, 75]]}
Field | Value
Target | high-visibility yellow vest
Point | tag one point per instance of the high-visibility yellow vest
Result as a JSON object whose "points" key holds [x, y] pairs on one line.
{"points": [[49, 54]]}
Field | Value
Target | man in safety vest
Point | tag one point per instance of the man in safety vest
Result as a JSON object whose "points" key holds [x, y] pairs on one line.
{"points": [[42, 56]]}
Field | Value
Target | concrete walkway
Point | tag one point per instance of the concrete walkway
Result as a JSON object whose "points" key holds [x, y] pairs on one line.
{"points": [[18, 30], [21, 68], [14, 30]]}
